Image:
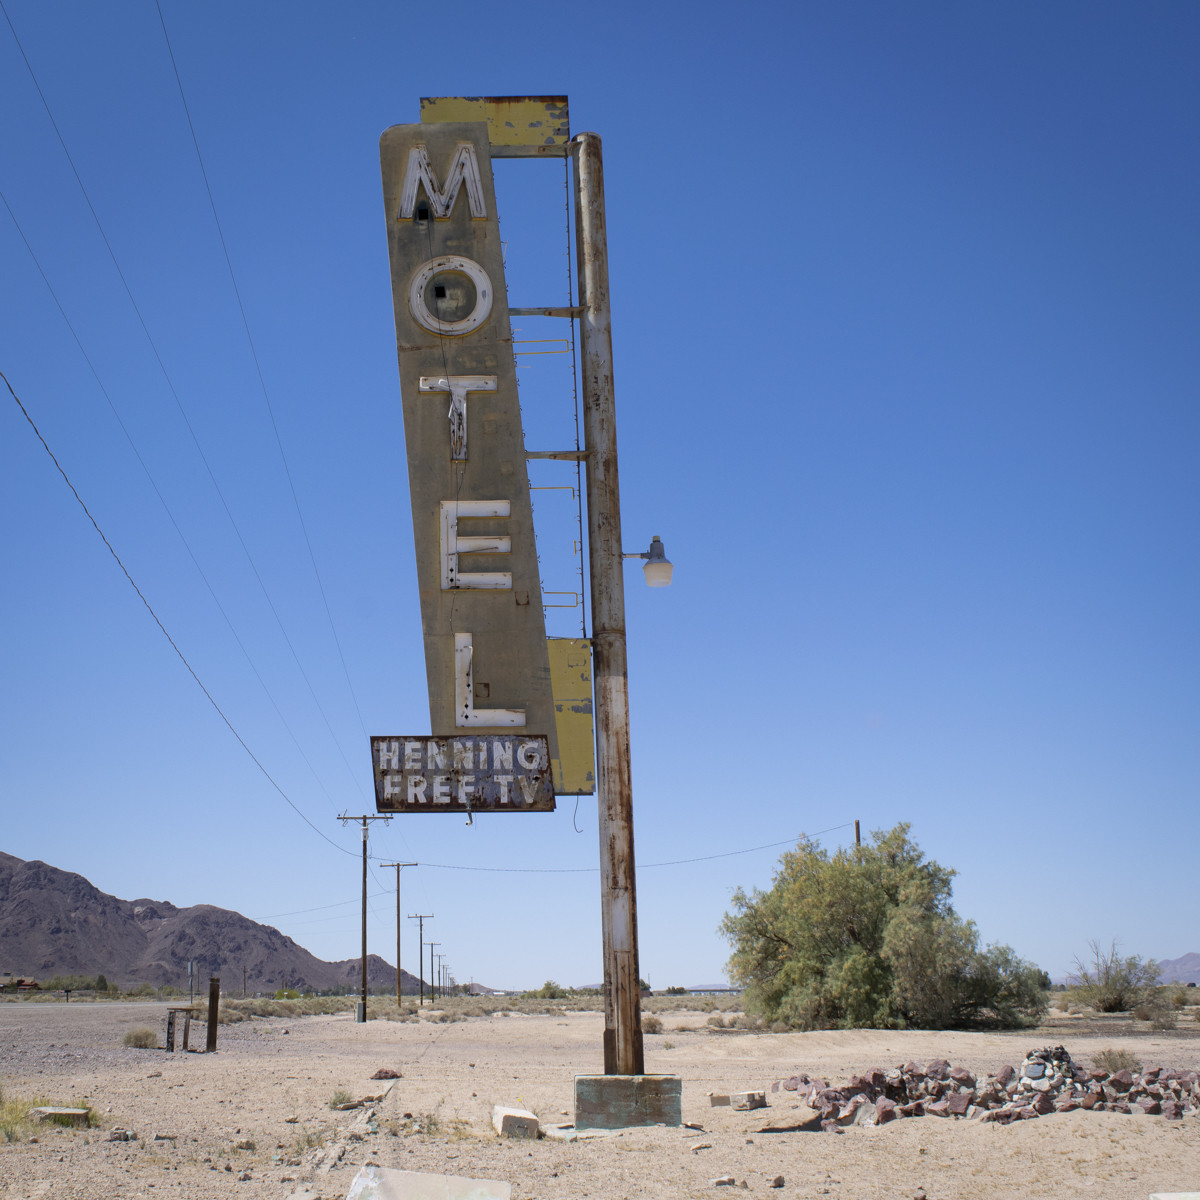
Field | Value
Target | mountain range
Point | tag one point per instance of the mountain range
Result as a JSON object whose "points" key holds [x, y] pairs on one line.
{"points": [[55, 922]]}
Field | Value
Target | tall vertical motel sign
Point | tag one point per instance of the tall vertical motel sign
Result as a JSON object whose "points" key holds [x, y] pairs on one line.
{"points": [[491, 703]]}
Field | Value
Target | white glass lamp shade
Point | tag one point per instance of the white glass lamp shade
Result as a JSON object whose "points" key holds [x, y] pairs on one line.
{"points": [[658, 568]]}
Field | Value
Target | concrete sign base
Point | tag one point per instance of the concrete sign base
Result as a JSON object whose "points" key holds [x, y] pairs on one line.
{"points": [[625, 1101]]}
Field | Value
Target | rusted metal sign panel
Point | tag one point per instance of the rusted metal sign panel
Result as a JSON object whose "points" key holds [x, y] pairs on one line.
{"points": [[511, 120], [481, 602], [571, 680], [462, 774]]}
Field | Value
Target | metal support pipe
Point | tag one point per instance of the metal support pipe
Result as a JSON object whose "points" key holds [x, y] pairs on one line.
{"points": [[614, 788]]}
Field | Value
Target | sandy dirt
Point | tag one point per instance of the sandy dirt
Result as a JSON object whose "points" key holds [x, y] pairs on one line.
{"points": [[271, 1081]]}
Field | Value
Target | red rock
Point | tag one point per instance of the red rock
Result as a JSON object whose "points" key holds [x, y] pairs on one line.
{"points": [[1065, 1104], [1005, 1075], [938, 1069], [959, 1103], [939, 1108], [1122, 1081], [915, 1070], [885, 1110], [1042, 1104], [915, 1109], [1172, 1110], [962, 1077], [1097, 1076], [1089, 1100], [1150, 1106], [1028, 1113]]}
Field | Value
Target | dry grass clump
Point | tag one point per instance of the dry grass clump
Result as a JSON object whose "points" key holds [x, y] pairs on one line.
{"points": [[141, 1037], [651, 1023], [1113, 1061], [17, 1120]]}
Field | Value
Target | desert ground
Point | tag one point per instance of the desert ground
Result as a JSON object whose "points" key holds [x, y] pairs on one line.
{"points": [[269, 1086]]}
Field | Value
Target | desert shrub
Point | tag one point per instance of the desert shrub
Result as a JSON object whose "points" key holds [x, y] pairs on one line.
{"points": [[141, 1038], [651, 1023], [341, 1096], [548, 991], [1110, 983], [1113, 1061], [1179, 998], [719, 1022], [868, 937], [286, 994]]}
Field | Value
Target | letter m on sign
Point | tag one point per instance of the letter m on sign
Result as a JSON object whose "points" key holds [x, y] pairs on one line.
{"points": [[464, 169]]}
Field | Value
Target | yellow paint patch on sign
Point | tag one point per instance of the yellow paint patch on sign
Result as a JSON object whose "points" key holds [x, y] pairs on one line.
{"points": [[571, 683], [511, 120]]}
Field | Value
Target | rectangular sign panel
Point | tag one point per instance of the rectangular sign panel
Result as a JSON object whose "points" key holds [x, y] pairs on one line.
{"points": [[571, 678], [481, 601], [462, 774]]}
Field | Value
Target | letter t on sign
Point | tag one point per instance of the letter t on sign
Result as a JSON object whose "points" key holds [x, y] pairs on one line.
{"points": [[458, 386]]}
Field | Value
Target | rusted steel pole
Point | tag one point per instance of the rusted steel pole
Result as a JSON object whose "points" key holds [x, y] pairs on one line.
{"points": [[618, 898]]}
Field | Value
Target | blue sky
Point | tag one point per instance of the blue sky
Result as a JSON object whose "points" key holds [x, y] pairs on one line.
{"points": [[905, 329]]}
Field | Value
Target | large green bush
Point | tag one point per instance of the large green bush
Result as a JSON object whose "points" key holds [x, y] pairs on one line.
{"points": [[868, 937]]}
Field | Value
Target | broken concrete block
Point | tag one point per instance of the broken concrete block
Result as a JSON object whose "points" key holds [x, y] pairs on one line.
{"points": [[61, 1116], [514, 1122], [744, 1101], [385, 1183], [716, 1099], [627, 1101]]}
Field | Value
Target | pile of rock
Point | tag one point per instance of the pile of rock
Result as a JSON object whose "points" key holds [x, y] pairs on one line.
{"points": [[1046, 1082]]}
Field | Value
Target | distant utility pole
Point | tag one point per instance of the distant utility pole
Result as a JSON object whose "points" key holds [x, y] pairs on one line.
{"points": [[432, 972], [857, 835], [361, 1014], [421, 918], [398, 867], [440, 978]]}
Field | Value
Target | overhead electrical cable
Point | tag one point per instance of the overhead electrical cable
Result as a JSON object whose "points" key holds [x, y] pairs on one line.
{"points": [[675, 862], [162, 628], [312, 558], [179, 404], [161, 498]]}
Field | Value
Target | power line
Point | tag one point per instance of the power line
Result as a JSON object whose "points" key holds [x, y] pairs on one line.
{"points": [[675, 862], [312, 558], [179, 403], [141, 596], [161, 498]]}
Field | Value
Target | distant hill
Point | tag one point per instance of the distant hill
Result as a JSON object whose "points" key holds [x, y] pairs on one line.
{"points": [[55, 922], [1180, 970]]}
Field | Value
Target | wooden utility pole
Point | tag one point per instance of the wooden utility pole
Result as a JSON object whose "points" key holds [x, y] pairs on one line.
{"points": [[214, 1004], [432, 972], [398, 867], [857, 835], [623, 1053], [420, 918], [361, 1014]]}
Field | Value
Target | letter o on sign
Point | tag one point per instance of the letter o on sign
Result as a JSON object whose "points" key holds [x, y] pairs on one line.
{"points": [[450, 267]]}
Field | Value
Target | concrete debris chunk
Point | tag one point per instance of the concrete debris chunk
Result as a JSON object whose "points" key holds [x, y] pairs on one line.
{"points": [[717, 1099], [514, 1122], [386, 1183], [745, 1101], [72, 1116]]}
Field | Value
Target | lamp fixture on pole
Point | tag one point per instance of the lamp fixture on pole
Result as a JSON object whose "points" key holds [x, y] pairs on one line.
{"points": [[659, 568]]}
